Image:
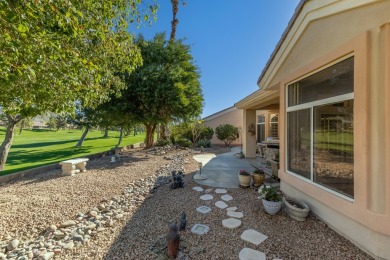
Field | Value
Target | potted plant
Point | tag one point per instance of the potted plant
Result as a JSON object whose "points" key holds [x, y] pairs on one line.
{"points": [[271, 198], [244, 178], [296, 209], [258, 177]]}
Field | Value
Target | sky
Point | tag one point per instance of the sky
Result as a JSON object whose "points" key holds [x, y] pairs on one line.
{"points": [[231, 41]]}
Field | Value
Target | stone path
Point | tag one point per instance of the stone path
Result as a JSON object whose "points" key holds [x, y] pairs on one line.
{"points": [[234, 221]]}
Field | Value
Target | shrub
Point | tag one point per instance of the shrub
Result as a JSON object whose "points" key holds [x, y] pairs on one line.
{"points": [[181, 131], [206, 133], [163, 142], [227, 133], [204, 143], [184, 142], [194, 131]]}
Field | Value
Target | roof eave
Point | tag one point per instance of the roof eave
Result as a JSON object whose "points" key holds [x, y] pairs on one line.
{"points": [[298, 10]]}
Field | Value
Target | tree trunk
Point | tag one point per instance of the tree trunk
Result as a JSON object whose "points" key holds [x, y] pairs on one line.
{"points": [[120, 137], [175, 21], [150, 128], [21, 127], [80, 142], [163, 134], [8, 138], [105, 132], [135, 130]]}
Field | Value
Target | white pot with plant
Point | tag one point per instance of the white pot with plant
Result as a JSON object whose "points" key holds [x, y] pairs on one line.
{"points": [[271, 198], [244, 178]]}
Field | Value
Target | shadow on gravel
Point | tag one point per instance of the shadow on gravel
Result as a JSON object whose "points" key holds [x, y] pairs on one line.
{"points": [[105, 162], [144, 235]]}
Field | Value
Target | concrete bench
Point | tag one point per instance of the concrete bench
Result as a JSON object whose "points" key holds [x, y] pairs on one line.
{"points": [[71, 167]]}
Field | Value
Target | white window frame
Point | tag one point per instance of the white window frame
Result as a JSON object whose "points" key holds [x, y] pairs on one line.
{"points": [[270, 123], [261, 123], [311, 105]]}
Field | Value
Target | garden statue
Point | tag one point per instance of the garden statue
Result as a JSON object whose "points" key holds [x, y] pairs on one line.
{"points": [[173, 240], [177, 180], [182, 221]]}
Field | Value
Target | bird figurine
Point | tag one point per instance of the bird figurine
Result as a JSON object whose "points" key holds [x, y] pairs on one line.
{"points": [[182, 221]]}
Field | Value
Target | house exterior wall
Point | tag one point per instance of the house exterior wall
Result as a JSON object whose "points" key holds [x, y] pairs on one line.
{"points": [[363, 32], [234, 117]]}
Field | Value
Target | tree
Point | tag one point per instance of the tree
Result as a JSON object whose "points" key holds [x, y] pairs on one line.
{"points": [[60, 121], [174, 23], [85, 118], [25, 123], [51, 122], [227, 133], [53, 54], [166, 86]]}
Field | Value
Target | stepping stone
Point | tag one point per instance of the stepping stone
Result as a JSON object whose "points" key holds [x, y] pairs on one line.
{"points": [[235, 214], [208, 190], [206, 197], [250, 254], [200, 177], [231, 223], [232, 209], [226, 197], [200, 229], [221, 204], [203, 209], [198, 188], [253, 236], [220, 191]]}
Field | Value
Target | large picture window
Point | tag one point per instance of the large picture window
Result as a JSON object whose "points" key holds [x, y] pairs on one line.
{"points": [[320, 127]]}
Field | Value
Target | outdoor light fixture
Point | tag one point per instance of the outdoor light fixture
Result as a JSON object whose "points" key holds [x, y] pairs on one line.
{"points": [[200, 164], [200, 176]]}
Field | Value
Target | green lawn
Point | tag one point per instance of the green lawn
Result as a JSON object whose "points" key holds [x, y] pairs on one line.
{"points": [[35, 148]]}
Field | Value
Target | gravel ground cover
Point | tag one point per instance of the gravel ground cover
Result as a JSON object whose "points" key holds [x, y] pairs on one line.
{"points": [[122, 211]]}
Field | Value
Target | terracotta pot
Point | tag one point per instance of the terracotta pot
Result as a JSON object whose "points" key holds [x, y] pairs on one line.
{"points": [[272, 207], [258, 179], [244, 180]]}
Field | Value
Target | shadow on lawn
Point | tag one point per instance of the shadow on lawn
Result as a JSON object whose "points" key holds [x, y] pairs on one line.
{"points": [[101, 163], [43, 144], [54, 143], [26, 156]]}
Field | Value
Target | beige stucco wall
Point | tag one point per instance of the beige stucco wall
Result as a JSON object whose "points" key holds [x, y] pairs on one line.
{"points": [[234, 117], [362, 32], [324, 32]]}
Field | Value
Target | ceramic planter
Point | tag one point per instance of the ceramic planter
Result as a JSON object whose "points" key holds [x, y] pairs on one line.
{"points": [[272, 207], [244, 180], [258, 179], [296, 209]]}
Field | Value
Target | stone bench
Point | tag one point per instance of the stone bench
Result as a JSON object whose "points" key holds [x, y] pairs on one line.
{"points": [[71, 167]]}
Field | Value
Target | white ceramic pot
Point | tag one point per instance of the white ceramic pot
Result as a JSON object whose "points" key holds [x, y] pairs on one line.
{"points": [[244, 180], [272, 207]]}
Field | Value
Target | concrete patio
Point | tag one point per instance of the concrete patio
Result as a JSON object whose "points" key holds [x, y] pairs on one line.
{"points": [[221, 170]]}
